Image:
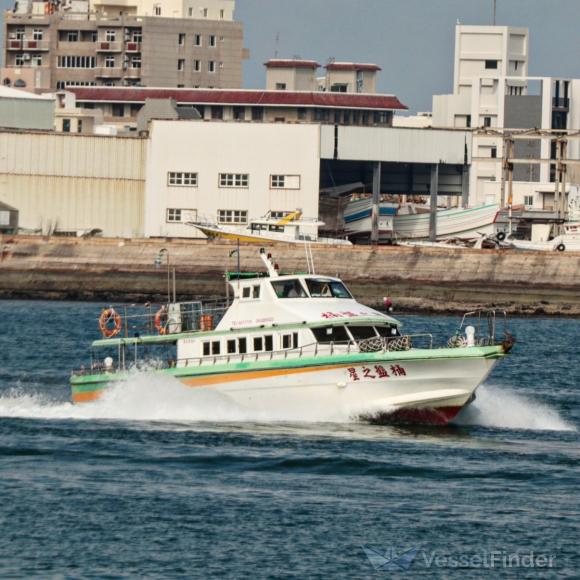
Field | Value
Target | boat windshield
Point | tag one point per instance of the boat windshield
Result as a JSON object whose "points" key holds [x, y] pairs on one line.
{"points": [[324, 288], [289, 289]]}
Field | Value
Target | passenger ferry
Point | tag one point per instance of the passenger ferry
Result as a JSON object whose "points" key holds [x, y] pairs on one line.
{"points": [[298, 342]]}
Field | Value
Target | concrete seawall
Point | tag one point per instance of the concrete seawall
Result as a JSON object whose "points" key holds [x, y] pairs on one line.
{"points": [[427, 279]]}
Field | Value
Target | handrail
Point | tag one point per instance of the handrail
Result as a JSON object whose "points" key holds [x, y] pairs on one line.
{"points": [[313, 349]]}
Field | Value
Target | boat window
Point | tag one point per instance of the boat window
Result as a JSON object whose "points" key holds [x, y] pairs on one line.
{"points": [[231, 346], [206, 349], [321, 288], [387, 331], [286, 340], [215, 347], [331, 334], [269, 343], [255, 292], [259, 227], [258, 344], [242, 346], [362, 332], [295, 340], [276, 228], [289, 289], [246, 292]]}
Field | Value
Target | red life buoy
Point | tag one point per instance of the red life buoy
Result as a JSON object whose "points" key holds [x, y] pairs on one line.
{"points": [[110, 322], [160, 321]]}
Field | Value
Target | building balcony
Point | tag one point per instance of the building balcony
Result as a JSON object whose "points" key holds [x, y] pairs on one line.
{"points": [[561, 103], [65, 47], [133, 73], [133, 47], [106, 46], [36, 45], [25, 44], [109, 73]]}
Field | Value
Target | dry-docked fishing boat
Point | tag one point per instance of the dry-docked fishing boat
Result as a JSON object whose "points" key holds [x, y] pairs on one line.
{"points": [[297, 342]]}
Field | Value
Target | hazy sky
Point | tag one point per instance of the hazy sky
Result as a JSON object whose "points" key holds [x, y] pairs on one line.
{"points": [[411, 40]]}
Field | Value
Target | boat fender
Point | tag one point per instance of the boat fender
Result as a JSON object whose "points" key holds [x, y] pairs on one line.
{"points": [[160, 321], [110, 322], [560, 247], [500, 236]]}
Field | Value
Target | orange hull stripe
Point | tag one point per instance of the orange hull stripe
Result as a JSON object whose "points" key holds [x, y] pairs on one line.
{"points": [[86, 397], [265, 374]]}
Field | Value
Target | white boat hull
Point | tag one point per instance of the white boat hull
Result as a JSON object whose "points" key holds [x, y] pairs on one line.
{"points": [[429, 390], [451, 223]]}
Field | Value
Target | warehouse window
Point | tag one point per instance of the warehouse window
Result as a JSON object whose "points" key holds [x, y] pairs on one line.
{"points": [[284, 181], [211, 66], [233, 216], [234, 180], [491, 64], [212, 40], [173, 215], [197, 65], [110, 35], [197, 40], [181, 178]]}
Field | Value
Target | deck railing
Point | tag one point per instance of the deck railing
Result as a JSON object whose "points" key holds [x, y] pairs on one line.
{"points": [[315, 349]]}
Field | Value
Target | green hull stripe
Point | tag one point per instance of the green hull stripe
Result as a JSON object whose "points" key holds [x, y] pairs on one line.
{"points": [[87, 383]]}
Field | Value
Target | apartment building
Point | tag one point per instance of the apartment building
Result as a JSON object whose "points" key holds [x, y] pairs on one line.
{"points": [[494, 96], [54, 45]]}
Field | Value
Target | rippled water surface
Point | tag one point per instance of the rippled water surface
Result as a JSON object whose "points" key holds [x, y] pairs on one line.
{"points": [[161, 481]]}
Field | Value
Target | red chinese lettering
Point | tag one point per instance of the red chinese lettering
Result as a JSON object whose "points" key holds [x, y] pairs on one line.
{"points": [[367, 374], [381, 372], [398, 371], [352, 374]]}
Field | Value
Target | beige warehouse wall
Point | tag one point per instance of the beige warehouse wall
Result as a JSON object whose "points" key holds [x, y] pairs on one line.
{"points": [[74, 182], [72, 204], [61, 154]]}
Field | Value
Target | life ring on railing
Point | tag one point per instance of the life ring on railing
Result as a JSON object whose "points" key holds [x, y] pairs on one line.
{"points": [[110, 322], [160, 321]]}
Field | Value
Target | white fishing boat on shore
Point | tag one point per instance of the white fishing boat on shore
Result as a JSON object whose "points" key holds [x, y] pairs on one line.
{"points": [[411, 222], [292, 229], [298, 343]]}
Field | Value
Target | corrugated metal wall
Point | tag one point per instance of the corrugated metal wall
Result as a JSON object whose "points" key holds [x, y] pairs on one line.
{"points": [[396, 144], [74, 182]]}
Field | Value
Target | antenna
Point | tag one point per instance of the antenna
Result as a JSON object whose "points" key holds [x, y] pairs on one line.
{"points": [[494, 10], [276, 43]]}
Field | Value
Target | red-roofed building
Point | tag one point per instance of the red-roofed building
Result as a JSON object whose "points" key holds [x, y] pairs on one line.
{"points": [[291, 75], [351, 77], [122, 105]]}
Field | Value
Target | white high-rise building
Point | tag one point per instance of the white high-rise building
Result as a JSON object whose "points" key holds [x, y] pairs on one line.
{"points": [[493, 94]]}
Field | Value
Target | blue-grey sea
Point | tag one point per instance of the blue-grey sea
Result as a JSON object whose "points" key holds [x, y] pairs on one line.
{"points": [[164, 482]]}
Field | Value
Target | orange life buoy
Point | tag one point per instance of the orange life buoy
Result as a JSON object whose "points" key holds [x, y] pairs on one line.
{"points": [[110, 322], [160, 321]]}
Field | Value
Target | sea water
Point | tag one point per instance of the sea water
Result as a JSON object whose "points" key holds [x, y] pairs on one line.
{"points": [[161, 481]]}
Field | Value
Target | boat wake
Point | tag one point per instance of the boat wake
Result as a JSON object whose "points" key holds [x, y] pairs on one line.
{"points": [[498, 407], [160, 399]]}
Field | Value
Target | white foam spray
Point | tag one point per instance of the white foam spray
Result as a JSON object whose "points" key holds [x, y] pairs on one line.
{"points": [[150, 397], [500, 407]]}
